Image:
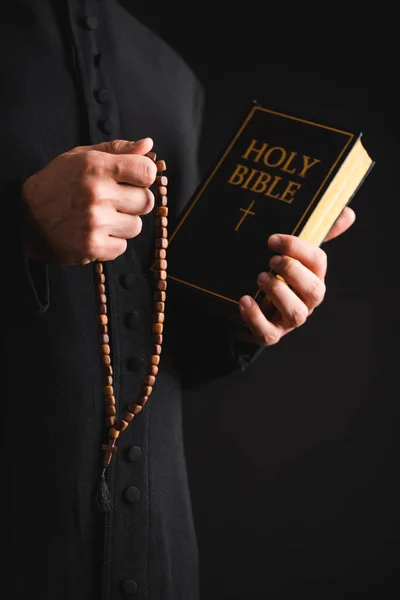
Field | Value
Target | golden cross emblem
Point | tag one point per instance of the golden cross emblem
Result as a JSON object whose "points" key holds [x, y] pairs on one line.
{"points": [[246, 212]]}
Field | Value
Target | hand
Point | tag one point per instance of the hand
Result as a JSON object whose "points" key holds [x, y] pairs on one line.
{"points": [[87, 202], [303, 267]]}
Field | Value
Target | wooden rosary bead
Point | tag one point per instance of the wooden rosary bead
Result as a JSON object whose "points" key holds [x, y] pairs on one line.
{"points": [[110, 421], [162, 275], [161, 232], [128, 416], [152, 370], [161, 222], [158, 328], [113, 433], [161, 166], [160, 253], [161, 285], [162, 180], [159, 299], [161, 265]]}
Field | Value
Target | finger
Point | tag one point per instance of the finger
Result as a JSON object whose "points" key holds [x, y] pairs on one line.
{"points": [[342, 224], [311, 256], [119, 147], [125, 226], [291, 308], [263, 331], [133, 169], [310, 288], [132, 200], [111, 249]]}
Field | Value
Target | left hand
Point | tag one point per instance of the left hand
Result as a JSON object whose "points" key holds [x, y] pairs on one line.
{"points": [[303, 267]]}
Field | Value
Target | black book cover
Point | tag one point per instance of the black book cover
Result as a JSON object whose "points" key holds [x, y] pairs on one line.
{"points": [[268, 180]]}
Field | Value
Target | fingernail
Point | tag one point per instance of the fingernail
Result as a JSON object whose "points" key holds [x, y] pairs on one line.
{"points": [[137, 143], [274, 240], [275, 260], [263, 278], [246, 302]]}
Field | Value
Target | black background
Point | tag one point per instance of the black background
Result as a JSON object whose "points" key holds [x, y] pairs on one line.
{"points": [[294, 464]]}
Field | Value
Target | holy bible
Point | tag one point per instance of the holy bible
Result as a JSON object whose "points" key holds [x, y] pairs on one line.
{"points": [[278, 174]]}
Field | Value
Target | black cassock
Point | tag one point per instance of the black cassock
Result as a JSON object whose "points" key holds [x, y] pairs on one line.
{"points": [[78, 72]]}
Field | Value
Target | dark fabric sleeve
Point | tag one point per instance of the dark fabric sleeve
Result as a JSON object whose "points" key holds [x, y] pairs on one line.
{"points": [[26, 286]]}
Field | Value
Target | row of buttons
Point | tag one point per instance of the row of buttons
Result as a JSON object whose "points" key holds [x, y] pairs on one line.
{"points": [[103, 96]]}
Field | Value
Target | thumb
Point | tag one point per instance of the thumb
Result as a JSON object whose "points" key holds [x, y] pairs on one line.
{"points": [[141, 147]]}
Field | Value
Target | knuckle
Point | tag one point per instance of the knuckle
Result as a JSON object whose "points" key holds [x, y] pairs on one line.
{"points": [[93, 245], [321, 259], [92, 163], [92, 193], [136, 227], [268, 339], [148, 172], [317, 292], [298, 317], [117, 145]]}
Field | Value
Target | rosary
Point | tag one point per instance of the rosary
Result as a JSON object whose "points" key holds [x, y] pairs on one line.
{"points": [[115, 427]]}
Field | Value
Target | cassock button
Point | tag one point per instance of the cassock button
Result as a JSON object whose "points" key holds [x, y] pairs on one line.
{"points": [[134, 453], [105, 126], [135, 364], [103, 96], [128, 281], [90, 22], [132, 320], [129, 586], [132, 494]]}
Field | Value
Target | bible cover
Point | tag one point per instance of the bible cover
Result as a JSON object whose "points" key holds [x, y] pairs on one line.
{"points": [[270, 179]]}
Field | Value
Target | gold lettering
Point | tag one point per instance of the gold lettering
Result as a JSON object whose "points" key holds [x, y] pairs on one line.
{"points": [[250, 177], [289, 191], [261, 184], [272, 187], [308, 164], [259, 151], [288, 162], [281, 158], [238, 176]]}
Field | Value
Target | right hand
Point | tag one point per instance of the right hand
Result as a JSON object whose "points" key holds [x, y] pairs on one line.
{"points": [[81, 205]]}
